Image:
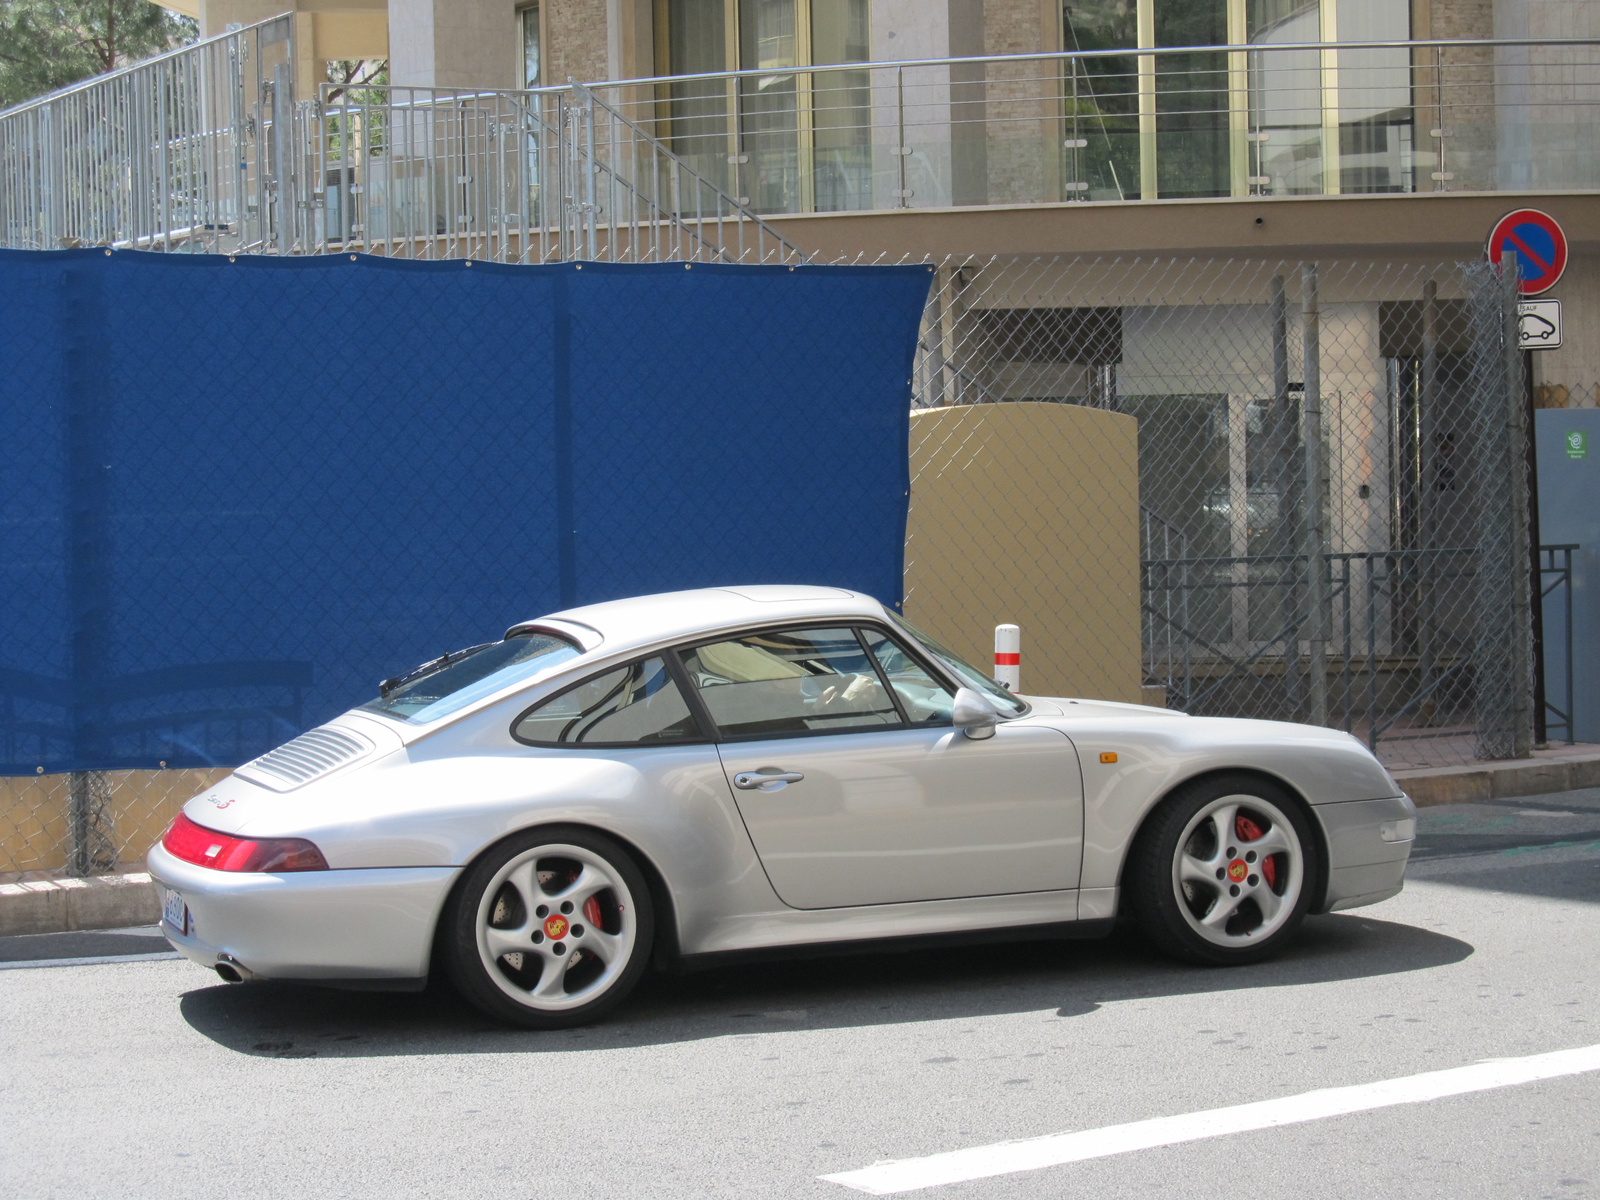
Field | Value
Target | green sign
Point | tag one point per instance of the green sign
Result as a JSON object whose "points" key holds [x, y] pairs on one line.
{"points": [[1577, 444]]}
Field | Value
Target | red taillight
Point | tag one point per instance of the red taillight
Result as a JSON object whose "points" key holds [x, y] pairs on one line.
{"points": [[208, 848]]}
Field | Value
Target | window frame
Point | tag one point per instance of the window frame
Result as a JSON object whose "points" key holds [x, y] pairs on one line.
{"points": [[679, 678], [535, 9], [854, 625], [710, 733]]}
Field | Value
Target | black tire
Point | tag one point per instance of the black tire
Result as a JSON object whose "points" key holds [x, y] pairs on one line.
{"points": [[518, 938], [1239, 911]]}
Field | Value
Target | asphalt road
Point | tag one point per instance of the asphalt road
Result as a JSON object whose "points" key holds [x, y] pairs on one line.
{"points": [[151, 1078]]}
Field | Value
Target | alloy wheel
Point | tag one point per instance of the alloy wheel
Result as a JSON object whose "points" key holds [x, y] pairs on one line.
{"points": [[556, 927], [1238, 870]]}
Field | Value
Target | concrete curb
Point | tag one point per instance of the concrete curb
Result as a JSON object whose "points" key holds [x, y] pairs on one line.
{"points": [[1477, 783], [60, 905]]}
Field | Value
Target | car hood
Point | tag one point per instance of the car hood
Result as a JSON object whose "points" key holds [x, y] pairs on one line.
{"points": [[1059, 706]]}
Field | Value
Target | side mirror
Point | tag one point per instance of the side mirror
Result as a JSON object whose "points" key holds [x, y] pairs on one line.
{"points": [[974, 715]]}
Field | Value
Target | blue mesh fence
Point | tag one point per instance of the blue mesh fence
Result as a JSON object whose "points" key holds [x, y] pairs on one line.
{"points": [[239, 493]]}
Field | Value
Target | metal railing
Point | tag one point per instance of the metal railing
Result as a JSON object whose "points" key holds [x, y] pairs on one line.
{"points": [[171, 152], [1400, 665], [207, 150], [1304, 118], [1397, 673], [1555, 575], [548, 175]]}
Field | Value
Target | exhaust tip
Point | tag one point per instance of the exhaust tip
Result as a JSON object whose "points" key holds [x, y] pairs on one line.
{"points": [[229, 974], [231, 970]]}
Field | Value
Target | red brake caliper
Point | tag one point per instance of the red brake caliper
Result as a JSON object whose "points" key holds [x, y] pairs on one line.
{"points": [[591, 911], [1249, 831]]}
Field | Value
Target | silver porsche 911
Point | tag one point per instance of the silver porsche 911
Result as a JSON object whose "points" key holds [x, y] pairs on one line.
{"points": [[685, 777]]}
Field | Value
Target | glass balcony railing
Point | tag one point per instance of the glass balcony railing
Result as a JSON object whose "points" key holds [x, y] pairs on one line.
{"points": [[1179, 123], [209, 149]]}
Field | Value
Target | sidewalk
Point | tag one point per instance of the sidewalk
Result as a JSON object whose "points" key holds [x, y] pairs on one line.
{"points": [[1561, 768]]}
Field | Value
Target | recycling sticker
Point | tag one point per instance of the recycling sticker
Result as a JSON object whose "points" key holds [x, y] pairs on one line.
{"points": [[1577, 444]]}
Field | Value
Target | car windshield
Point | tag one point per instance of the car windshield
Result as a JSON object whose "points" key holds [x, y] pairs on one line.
{"points": [[458, 680], [967, 674]]}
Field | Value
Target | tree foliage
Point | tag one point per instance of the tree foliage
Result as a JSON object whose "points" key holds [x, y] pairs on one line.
{"points": [[363, 78], [47, 44]]}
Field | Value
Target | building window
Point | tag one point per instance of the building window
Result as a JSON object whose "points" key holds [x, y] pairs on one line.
{"points": [[528, 19], [1191, 100], [1102, 99], [792, 139]]}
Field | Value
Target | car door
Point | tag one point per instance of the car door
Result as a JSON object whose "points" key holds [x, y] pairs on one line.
{"points": [[855, 788]]}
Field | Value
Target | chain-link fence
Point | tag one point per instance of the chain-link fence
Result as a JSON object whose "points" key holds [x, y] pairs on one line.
{"points": [[1279, 490], [1331, 505]]}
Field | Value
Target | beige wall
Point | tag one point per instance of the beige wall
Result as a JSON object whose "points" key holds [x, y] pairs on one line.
{"points": [[979, 551], [324, 30]]}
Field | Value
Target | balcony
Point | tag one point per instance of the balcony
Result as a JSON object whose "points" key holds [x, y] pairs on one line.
{"points": [[1292, 119], [207, 149]]}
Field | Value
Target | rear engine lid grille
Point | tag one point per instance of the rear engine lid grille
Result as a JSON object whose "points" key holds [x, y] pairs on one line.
{"points": [[310, 756]]}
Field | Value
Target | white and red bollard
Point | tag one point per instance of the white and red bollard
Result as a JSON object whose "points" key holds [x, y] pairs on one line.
{"points": [[1008, 657]]}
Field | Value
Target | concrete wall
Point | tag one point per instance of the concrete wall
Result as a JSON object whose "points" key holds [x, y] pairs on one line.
{"points": [[453, 43], [1029, 513]]}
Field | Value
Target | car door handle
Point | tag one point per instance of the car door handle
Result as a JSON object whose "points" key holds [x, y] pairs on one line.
{"points": [[763, 779]]}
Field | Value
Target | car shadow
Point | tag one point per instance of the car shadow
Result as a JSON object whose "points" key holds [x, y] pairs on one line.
{"points": [[1074, 978]]}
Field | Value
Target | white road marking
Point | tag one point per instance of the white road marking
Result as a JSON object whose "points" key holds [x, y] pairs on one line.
{"points": [[1006, 1158], [96, 961]]}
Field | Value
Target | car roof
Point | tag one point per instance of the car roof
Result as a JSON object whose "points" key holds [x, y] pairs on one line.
{"points": [[670, 616]]}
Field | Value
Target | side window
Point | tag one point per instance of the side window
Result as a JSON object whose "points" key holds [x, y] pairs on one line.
{"points": [[639, 703], [925, 699], [790, 681]]}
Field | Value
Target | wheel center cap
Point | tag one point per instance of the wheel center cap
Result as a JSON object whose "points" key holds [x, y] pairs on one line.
{"points": [[555, 927], [1237, 870]]}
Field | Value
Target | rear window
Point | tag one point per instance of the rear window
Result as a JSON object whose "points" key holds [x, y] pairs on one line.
{"points": [[450, 683]]}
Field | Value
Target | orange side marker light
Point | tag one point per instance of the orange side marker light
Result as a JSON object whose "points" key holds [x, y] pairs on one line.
{"points": [[1108, 756]]}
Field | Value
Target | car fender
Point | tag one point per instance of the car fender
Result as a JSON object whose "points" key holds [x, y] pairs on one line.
{"points": [[1131, 764]]}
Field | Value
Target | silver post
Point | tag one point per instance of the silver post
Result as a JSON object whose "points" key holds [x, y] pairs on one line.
{"points": [[589, 188], [1427, 451], [91, 848], [900, 130], [282, 110], [1289, 491], [1517, 434], [1313, 523]]}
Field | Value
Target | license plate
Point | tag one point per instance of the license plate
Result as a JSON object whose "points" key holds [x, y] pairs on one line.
{"points": [[176, 913]]}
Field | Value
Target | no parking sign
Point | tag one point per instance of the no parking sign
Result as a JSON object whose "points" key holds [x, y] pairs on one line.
{"points": [[1538, 243]]}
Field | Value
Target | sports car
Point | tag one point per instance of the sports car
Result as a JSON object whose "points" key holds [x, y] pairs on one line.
{"points": [[684, 778]]}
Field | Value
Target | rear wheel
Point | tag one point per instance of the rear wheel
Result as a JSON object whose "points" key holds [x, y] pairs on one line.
{"points": [[1221, 872], [550, 928]]}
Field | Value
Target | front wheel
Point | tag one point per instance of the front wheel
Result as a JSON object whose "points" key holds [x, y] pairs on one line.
{"points": [[1221, 872], [550, 928]]}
